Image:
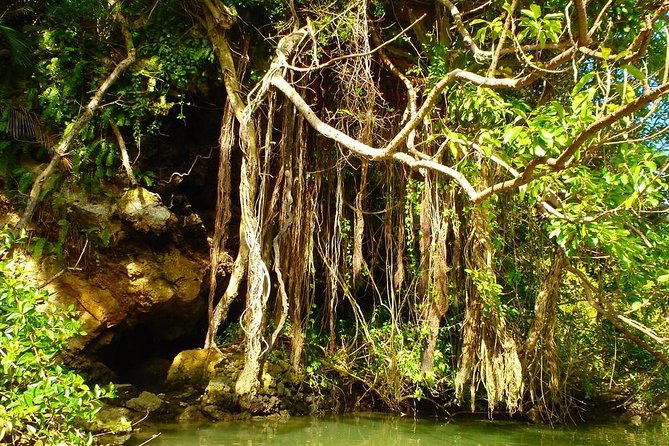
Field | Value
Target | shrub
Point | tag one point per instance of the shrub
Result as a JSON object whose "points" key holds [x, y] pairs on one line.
{"points": [[41, 402]]}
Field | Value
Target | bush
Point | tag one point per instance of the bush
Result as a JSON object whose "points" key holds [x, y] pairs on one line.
{"points": [[40, 401]]}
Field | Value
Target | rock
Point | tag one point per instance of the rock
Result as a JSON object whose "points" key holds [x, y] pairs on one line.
{"points": [[113, 420], [221, 393], [89, 210], [101, 306], [145, 211], [126, 391], [145, 402], [192, 414], [165, 276], [635, 420], [193, 367], [186, 394], [216, 412], [159, 290], [268, 382]]}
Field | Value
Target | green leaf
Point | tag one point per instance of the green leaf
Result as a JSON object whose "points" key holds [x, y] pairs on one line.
{"points": [[581, 83], [606, 52], [536, 10], [511, 134], [634, 71]]}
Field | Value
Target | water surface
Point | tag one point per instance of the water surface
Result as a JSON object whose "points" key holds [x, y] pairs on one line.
{"points": [[376, 430]]}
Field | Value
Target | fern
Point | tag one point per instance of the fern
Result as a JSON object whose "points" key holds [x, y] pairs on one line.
{"points": [[19, 47], [26, 181]]}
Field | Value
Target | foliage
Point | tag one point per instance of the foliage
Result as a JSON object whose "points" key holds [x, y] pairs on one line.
{"points": [[548, 107], [40, 400]]}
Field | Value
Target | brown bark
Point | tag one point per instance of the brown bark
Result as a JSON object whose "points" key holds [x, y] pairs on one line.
{"points": [[359, 225], [218, 252]]}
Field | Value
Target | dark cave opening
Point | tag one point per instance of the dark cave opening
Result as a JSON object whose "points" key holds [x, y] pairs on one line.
{"points": [[142, 354]]}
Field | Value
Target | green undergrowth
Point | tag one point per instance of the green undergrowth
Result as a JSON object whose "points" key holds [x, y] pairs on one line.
{"points": [[41, 402]]}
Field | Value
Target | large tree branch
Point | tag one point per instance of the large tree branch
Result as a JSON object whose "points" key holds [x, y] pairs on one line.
{"points": [[526, 177], [460, 26], [565, 158], [405, 135], [391, 149]]}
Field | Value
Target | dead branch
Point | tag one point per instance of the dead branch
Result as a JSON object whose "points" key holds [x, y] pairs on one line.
{"points": [[125, 160]]}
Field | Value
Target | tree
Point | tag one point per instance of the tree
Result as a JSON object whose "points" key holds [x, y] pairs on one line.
{"points": [[407, 168], [487, 123]]}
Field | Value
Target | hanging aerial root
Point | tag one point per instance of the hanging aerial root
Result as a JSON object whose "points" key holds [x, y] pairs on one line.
{"points": [[540, 359], [489, 354]]}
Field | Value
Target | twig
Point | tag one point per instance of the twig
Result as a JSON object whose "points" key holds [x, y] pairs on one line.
{"points": [[355, 55], [153, 437]]}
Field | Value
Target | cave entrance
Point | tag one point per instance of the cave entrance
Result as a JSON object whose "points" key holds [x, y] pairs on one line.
{"points": [[141, 355]]}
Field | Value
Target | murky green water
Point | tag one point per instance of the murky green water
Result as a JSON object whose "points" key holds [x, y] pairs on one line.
{"points": [[371, 430]]}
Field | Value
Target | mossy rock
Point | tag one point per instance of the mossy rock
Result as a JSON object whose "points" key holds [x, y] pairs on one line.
{"points": [[112, 420], [193, 368], [145, 211]]}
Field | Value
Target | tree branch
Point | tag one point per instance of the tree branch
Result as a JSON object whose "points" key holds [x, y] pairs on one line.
{"points": [[582, 22], [524, 178], [125, 159], [405, 134], [616, 321], [502, 38], [65, 144], [564, 159], [457, 18]]}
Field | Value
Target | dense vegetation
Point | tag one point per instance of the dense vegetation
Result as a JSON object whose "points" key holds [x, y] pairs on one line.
{"points": [[432, 200], [39, 399]]}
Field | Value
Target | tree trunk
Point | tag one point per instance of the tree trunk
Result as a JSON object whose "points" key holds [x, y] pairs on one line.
{"points": [[249, 262]]}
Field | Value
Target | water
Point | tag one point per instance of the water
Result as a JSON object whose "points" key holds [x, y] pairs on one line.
{"points": [[375, 430]]}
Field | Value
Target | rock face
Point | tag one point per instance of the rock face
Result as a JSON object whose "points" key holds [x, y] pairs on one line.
{"points": [[129, 292], [138, 275], [145, 211]]}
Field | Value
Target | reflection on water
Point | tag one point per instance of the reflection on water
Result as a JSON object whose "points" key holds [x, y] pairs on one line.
{"points": [[374, 430]]}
